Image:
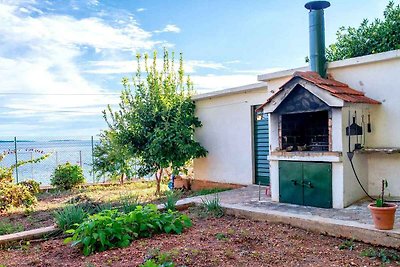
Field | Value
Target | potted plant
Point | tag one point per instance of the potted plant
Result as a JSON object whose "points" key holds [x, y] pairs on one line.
{"points": [[383, 213]]}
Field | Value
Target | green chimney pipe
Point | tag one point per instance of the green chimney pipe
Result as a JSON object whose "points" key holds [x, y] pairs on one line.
{"points": [[317, 36]]}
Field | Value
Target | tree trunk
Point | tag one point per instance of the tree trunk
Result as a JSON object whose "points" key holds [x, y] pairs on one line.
{"points": [[121, 181], [159, 174]]}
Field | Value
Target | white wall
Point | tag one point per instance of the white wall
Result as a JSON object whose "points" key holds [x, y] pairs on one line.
{"points": [[227, 135], [380, 81]]}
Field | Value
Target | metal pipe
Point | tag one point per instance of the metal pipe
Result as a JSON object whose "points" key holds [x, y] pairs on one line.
{"points": [[317, 36]]}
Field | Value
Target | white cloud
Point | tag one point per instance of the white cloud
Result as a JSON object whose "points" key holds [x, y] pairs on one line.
{"points": [[126, 66], [169, 28], [141, 9], [43, 53]]}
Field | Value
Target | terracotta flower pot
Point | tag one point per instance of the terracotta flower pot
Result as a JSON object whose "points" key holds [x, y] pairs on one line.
{"points": [[383, 216]]}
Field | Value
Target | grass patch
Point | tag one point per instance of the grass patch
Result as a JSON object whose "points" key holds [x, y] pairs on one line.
{"points": [[7, 227]]}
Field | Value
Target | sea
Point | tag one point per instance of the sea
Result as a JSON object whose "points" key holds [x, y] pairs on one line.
{"points": [[61, 151]]}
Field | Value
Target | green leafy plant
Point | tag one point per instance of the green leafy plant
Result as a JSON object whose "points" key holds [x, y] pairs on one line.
{"points": [[67, 176], [69, 216], [221, 236], [369, 38], [158, 259], [347, 244], [111, 228], [384, 255], [7, 227], [171, 198], [380, 202], [213, 206]]}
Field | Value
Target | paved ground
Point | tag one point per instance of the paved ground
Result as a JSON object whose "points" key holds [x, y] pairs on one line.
{"points": [[354, 222], [249, 197]]}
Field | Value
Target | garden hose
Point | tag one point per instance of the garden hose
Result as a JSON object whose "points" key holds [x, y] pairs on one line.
{"points": [[350, 156]]}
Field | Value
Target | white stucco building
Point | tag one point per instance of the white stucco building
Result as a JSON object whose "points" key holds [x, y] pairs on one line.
{"points": [[247, 147]]}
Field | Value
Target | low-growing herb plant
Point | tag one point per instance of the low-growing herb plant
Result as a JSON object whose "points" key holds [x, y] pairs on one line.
{"points": [[384, 255], [69, 216], [213, 206], [129, 203], [159, 260], [171, 198], [112, 228], [67, 176], [347, 244]]}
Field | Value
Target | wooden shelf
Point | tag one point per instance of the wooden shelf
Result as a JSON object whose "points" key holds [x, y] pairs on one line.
{"points": [[381, 150]]}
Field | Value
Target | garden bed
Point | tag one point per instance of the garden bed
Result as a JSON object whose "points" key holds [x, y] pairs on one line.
{"points": [[50, 201], [226, 241]]}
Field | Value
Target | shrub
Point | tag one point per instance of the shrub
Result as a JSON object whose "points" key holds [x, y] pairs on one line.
{"points": [[111, 228], [67, 176], [15, 195], [69, 216], [212, 206], [171, 198], [32, 185]]}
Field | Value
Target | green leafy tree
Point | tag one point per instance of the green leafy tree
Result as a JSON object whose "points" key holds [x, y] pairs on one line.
{"points": [[156, 118], [112, 159], [369, 38]]}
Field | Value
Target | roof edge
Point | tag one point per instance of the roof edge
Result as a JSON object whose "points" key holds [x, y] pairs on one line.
{"points": [[384, 56], [229, 91]]}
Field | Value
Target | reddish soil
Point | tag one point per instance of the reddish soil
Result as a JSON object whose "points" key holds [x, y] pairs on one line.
{"points": [[243, 243]]}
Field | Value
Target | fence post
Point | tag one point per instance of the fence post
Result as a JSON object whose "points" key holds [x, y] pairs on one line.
{"points": [[32, 166], [93, 175], [80, 158], [16, 158]]}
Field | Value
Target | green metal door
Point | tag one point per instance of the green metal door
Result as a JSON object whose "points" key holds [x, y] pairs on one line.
{"points": [[291, 182], [317, 178], [261, 147], [305, 183]]}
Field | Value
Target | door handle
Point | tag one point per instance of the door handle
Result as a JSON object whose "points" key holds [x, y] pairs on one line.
{"points": [[308, 184], [294, 182]]}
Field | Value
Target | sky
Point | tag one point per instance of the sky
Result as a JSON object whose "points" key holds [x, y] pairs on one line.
{"points": [[62, 61]]}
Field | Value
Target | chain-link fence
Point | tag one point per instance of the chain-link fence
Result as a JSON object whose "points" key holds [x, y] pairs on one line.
{"points": [[60, 150]]}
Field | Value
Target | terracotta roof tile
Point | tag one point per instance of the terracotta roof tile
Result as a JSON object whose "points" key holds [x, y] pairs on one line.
{"points": [[336, 88]]}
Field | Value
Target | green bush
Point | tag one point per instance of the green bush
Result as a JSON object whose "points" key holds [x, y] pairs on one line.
{"points": [[67, 176], [111, 228], [69, 216]]}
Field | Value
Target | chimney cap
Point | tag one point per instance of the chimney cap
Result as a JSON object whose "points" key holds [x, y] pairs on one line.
{"points": [[317, 5]]}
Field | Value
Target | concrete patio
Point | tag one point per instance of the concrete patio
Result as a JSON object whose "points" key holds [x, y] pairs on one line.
{"points": [[352, 222]]}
